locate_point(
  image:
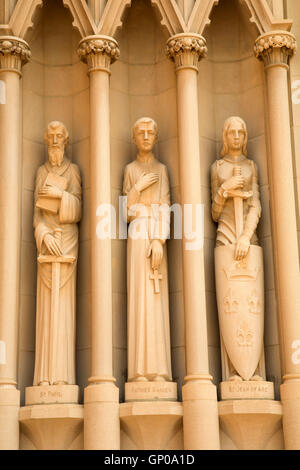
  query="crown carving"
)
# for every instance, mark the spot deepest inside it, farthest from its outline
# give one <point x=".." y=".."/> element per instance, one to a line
<point x="240" y="271"/>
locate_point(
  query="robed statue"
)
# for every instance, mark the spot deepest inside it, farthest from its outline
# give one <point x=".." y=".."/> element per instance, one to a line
<point x="57" y="210"/>
<point x="146" y="186"/>
<point x="238" y="257"/>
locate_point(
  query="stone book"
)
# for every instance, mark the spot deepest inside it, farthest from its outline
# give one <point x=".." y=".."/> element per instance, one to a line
<point x="52" y="204"/>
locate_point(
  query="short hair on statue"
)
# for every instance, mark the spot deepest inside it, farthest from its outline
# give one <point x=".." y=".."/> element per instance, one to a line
<point x="144" y="120"/>
<point x="55" y="125"/>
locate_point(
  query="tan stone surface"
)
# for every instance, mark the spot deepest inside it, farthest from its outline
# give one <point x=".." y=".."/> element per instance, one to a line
<point x="56" y="237"/>
<point x="52" y="394"/>
<point x="9" y="418"/>
<point x="52" y="427"/>
<point x="251" y="424"/>
<point x="146" y="183"/>
<point x="247" y="390"/>
<point x="238" y="262"/>
<point x="151" y="391"/>
<point x="231" y="81"/>
<point x="152" y="425"/>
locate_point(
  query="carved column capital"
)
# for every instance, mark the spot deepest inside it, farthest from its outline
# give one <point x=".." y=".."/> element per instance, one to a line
<point x="275" y="48"/>
<point x="186" y="50"/>
<point x="98" y="52"/>
<point x="14" y="53"/>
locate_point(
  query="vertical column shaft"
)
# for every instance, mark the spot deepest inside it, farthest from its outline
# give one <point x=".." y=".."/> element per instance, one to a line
<point x="101" y="365"/>
<point x="275" y="49"/>
<point x="14" y="52"/>
<point x="193" y="260"/>
<point x="101" y="411"/>
<point x="199" y="394"/>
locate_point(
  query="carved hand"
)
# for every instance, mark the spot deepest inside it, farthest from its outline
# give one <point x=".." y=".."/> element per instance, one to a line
<point x="146" y="180"/>
<point x="242" y="247"/>
<point x="51" y="191"/>
<point x="235" y="182"/>
<point x="157" y="254"/>
<point x="52" y="245"/>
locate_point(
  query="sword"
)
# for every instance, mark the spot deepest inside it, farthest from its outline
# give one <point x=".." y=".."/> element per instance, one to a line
<point x="238" y="195"/>
<point x="54" y="309"/>
<point x="238" y="207"/>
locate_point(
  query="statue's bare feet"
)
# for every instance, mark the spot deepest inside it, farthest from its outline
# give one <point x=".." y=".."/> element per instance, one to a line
<point x="159" y="378"/>
<point x="44" y="383"/>
<point x="256" y="378"/>
<point x="141" y="378"/>
<point x="235" y="378"/>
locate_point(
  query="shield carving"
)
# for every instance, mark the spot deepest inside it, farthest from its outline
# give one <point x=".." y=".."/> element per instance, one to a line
<point x="240" y="298"/>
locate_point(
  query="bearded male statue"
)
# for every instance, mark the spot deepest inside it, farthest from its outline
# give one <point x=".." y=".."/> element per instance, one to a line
<point x="57" y="210"/>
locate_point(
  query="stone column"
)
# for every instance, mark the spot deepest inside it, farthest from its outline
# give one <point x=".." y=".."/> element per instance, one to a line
<point x="201" y="424"/>
<point x="275" y="49"/>
<point x="14" y="52"/>
<point x="101" y="398"/>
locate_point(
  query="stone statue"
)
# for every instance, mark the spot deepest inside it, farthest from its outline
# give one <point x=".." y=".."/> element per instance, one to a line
<point x="57" y="209"/>
<point x="146" y="186"/>
<point x="238" y="258"/>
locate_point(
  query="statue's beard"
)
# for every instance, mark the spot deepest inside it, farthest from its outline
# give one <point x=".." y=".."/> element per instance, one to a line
<point x="56" y="156"/>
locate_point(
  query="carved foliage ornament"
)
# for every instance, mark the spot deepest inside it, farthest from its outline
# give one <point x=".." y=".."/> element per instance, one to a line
<point x="99" y="46"/>
<point x="275" y="47"/>
<point x="99" y="52"/>
<point x="14" y="53"/>
<point x="186" y="49"/>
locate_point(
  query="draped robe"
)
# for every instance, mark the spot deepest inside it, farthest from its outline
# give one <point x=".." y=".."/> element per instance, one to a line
<point x="45" y="222"/>
<point x="148" y="312"/>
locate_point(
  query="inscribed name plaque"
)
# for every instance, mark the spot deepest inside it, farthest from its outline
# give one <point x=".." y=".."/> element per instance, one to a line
<point x="51" y="394"/>
<point x="150" y="391"/>
<point x="258" y="390"/>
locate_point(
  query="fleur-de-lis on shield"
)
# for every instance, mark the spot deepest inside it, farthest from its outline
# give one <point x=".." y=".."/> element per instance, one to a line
<point x="244" y="335"/>
<point x="231" y="303"/>
<point x="254" y="303"/>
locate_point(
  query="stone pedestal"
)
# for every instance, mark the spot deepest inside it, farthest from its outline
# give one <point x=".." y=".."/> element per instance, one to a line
<point x="250" y="424"/>
<point x="52" y="418"/>
<point x="290" y="399"/>
<point x="152" y="425"/>
<point x="53" y="426"/>
<point x="52" y="394"/>
<point x="9" y="418"/>
<point x="257" y="390"/>
<point x="150" y="391"/>
<point x="101" y="417"/>
<point x="200" y="419"/>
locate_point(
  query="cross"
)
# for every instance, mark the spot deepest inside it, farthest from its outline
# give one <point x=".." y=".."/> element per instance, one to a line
<point x="156" y="277"/>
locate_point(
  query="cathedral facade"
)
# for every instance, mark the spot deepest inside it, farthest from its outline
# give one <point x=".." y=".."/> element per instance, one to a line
<point x="170" y="342"/>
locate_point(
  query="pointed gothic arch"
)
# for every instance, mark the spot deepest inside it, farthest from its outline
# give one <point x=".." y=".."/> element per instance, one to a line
<point x="170" y="16"/>
<point x="21" y="19"/>
<point x="263" y="17"/>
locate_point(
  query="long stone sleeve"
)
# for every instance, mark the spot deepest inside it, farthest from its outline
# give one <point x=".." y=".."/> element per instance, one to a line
<point x="70" y="206"/>
<point x="218" y="200"/>
<point x="40" y="227"/>
<point x="132" y="194"/>
<point x="162" y="225"/>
